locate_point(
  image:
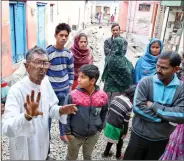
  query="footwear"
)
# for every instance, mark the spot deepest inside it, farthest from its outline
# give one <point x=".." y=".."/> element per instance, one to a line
<point x="50" y="158"/>
<point x="121" y="157"/>
<point x="64" y="138"/>
<point x="105" y="155"/>
<point x="131" y="115"/>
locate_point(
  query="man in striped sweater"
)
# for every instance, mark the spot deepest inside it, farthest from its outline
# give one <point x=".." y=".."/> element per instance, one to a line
<point x="61" y="70"/>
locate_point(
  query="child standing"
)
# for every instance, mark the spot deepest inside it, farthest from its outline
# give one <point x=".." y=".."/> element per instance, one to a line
<point x="83" y="128"/>
<point x="117" y="121"/>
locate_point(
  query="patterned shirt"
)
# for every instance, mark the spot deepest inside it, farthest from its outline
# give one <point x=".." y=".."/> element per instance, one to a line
<point x="119" y="112"/>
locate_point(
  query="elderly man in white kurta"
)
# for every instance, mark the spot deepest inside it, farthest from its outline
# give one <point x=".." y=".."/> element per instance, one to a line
<point x="29" y="105"/>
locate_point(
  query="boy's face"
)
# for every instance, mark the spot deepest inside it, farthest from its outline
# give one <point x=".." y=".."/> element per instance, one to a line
<point x="84" y="81"/>
<point x="62" y="37"/>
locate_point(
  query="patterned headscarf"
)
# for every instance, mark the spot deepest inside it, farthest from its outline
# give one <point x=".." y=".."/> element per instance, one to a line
<point x="81" y="56"/>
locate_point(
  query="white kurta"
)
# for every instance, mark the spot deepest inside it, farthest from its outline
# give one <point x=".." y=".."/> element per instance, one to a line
<point x="29" y="140"/>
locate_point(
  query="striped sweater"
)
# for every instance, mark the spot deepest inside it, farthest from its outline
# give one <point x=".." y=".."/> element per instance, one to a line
<point x="119" y="112"/>
<point x="61" y="70"/>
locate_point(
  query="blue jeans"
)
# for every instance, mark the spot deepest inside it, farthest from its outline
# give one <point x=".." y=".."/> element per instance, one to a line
<point x="61" y="97"/>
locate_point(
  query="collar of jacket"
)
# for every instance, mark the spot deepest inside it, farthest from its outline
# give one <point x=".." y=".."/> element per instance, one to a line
<point x="97" y="88"/>
<point x="113" y="37"/>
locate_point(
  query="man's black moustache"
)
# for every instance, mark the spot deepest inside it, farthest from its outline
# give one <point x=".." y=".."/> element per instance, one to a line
<point x="160" y="74"/>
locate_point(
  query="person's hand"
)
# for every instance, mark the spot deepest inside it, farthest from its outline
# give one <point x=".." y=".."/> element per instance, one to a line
<point x="68" y="109"/>
<point x="149" y="103"/>
<point x="32" y="107"/>
<point x="69" y="137"/>
<point x="2" y="108"/>
<point x="123" y="137"/>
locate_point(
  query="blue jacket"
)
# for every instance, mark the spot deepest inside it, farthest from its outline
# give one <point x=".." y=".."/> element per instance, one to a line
<point x="91" y="112"/>
<point x="156" y="122"/>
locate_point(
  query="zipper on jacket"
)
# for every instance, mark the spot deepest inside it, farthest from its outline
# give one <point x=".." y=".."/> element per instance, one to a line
<point x="163" y="95"/>
<point x="89" y="113"/>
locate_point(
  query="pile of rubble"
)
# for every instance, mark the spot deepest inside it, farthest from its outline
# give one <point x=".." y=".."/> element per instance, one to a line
<point x="94" y="42"/>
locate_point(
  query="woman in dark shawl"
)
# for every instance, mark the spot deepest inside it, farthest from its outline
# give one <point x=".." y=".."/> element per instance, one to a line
<point x="118" y="72"/>
<point x="81" y="55"/>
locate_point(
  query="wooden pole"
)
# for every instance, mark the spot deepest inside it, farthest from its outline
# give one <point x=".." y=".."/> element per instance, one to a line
<point x="154" y="20"/>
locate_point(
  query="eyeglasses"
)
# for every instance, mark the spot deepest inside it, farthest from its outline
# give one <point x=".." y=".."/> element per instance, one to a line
<point x="38" y="63"/>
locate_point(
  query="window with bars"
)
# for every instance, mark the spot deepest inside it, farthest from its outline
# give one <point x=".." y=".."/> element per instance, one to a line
<point x="144" y="7"/>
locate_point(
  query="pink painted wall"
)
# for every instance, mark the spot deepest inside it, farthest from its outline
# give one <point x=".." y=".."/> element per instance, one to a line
<point x="31" y="24"/>
<point x="140" y="22"/>
<point x="6" y="41"/>
<point x="31" y="30"/>
<point x="123" y="15"/>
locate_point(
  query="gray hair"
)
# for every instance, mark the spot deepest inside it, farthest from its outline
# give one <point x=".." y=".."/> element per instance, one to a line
<point x="35" y="50"/>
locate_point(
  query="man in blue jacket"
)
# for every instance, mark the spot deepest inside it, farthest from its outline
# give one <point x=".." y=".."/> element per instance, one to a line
<point x="158" y="107"/>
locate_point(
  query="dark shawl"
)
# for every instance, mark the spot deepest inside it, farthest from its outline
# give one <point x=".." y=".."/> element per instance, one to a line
<point x="118" y="72"/>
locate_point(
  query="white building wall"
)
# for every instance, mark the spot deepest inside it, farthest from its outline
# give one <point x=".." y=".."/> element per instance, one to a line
<point x="76" y="12"/>
<point x="71" y="12"/>
<point x="181" y="46"/>
<point x="51" y="25"/>
<point x="139" y="22"/>
<point x="112" y="5"/>
<point x="90" y="9"/>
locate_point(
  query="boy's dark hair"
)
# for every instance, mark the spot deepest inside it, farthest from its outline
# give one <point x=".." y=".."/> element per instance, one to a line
<point x="91" y="71"/>
<point x="174" y="58"/>
<point x="35" y="50"/>
<point x="114" y="25"/>
<point x="61" y="27"/>
<point x="130" y="92"/>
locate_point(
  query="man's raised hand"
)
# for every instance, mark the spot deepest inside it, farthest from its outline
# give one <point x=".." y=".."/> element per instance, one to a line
<point x="32" y="107"/>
